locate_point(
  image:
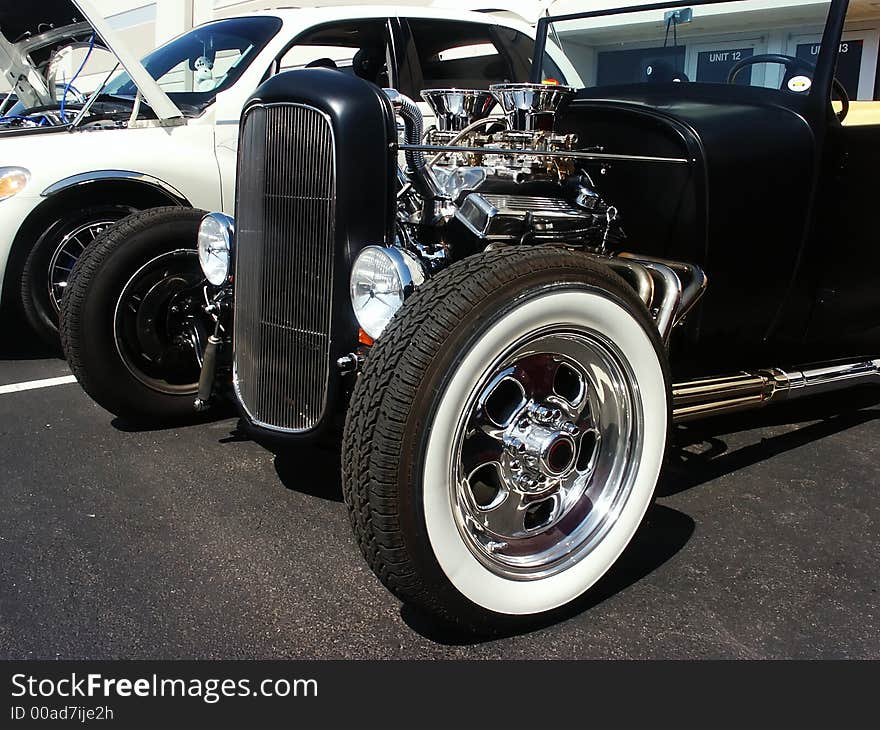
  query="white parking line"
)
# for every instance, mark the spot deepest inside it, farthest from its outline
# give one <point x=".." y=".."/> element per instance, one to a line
<point x="35" y="384"/>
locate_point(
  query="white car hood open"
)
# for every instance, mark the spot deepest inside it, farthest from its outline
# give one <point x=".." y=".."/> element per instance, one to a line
<point x="20" y="20"/>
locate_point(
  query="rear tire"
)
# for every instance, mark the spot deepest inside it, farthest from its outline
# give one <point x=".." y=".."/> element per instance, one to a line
<point x="103" y="330"/>
<point x="465" y="524"/>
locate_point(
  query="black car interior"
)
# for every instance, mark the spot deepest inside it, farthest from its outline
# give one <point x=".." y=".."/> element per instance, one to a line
<point x="366" y="39"/>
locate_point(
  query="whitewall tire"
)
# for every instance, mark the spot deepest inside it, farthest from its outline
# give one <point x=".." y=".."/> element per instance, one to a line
<point x="505" y="439"/>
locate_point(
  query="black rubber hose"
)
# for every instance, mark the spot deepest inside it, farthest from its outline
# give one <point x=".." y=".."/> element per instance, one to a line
<point x="416" y="161"/>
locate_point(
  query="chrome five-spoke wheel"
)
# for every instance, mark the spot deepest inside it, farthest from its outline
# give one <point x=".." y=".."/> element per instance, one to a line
<point x="544" y="453"/>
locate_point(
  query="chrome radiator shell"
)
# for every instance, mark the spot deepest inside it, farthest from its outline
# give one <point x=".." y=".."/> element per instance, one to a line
<point x="284" y="267"/>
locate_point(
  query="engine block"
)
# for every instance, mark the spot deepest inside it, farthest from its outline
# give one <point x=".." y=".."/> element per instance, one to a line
<point x="507" y="179"/>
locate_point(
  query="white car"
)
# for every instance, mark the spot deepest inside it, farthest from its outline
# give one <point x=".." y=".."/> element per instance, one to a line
<point x="164" y="130"/>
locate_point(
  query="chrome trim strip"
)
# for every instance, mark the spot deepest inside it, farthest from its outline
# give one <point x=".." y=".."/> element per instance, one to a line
<point x="745" y="391"/>
<point x="85" y="178"/>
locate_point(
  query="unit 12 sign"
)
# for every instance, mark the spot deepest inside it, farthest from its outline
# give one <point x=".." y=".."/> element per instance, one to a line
<point x="714" y="67"/>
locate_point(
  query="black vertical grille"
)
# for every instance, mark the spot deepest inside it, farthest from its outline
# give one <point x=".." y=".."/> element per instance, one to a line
<point x="284" y="265"/>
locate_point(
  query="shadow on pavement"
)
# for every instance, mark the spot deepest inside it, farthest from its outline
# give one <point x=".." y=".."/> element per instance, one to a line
<point x="699" y="455"/>
<point x="313" y="471"/>
<point x="310" y="468"/>
<point x="197" y="419"/>
<point x="666" y="530"/>
<point x="664" y="533"/>
<point x="18" y="342"/>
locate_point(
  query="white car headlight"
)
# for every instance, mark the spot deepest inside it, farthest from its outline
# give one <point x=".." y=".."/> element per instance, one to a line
<point x="381" y="278"/>
<point x="12" y="181"/>
<point x="216" y="235"/>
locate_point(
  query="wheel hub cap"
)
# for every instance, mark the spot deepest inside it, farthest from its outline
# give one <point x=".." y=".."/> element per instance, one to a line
<point x="544" y="454"/>
<point x="539" y="447"/>
<point x="159" y="327"/>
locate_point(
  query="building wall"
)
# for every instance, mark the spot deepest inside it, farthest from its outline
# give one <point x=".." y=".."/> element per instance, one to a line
<point x="706" y="47"/>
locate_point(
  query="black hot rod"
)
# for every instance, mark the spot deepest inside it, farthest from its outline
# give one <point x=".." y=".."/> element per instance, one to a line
<point x="513" y="315"/>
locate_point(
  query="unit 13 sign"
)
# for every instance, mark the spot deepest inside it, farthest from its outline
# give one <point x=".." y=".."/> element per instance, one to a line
<point x="713" y="67"/>
<point x="849" y="62"/>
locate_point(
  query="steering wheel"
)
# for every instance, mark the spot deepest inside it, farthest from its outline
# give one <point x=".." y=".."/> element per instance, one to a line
<point x="794" y="67"/>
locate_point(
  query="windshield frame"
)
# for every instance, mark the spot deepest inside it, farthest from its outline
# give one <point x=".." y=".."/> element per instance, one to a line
<point x="824" y="67"/>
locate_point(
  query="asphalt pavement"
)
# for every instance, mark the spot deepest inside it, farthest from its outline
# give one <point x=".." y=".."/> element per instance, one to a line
<point x="197" y="542"/>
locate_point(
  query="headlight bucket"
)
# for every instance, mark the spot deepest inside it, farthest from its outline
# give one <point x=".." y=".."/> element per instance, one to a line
<point x="381" y="278"/>
<point x="216" y="238"/>
<point x="12" y="181"/>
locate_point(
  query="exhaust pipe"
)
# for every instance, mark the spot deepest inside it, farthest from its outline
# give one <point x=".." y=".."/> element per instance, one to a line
<point x="707" y="397"/>
<point x="669" y="289"/>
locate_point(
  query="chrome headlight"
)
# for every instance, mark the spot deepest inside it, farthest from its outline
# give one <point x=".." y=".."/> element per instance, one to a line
<point x="381" y="278"/>
<point x="12" y="181"/>
<point x="216" y="234"/>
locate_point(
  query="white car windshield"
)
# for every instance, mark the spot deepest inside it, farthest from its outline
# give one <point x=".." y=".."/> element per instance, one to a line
<point x="196" y="66"/>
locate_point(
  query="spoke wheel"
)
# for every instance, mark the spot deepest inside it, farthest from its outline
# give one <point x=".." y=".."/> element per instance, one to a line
<point x="160" y="324"/>
<point x="48" y="269"/>
<point x="66" y="254"/>
<point x="544" y="452"/>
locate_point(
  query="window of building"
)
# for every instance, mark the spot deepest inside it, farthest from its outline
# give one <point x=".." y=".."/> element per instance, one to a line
<point x="706" y="44"/>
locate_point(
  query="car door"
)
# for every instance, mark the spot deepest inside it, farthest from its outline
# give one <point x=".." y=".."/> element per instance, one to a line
<point x="847" y="250"/>
<point x="848" y="295"/>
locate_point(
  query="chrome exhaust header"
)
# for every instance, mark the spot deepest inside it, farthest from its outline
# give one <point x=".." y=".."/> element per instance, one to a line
<point x="669" y="289"/>
<point x="745" y="391"/>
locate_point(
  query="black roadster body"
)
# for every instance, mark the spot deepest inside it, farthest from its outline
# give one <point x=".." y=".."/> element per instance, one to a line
<point x="774" y="205"/>
<point x="513" y="310"/>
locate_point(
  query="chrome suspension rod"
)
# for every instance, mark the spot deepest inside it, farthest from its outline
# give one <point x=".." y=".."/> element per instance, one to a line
<point x="572" y="154"/>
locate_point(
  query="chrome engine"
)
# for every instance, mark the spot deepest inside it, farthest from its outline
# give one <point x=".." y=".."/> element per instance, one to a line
<point x="476" y="181"/>
<point x="496" y="180"/>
